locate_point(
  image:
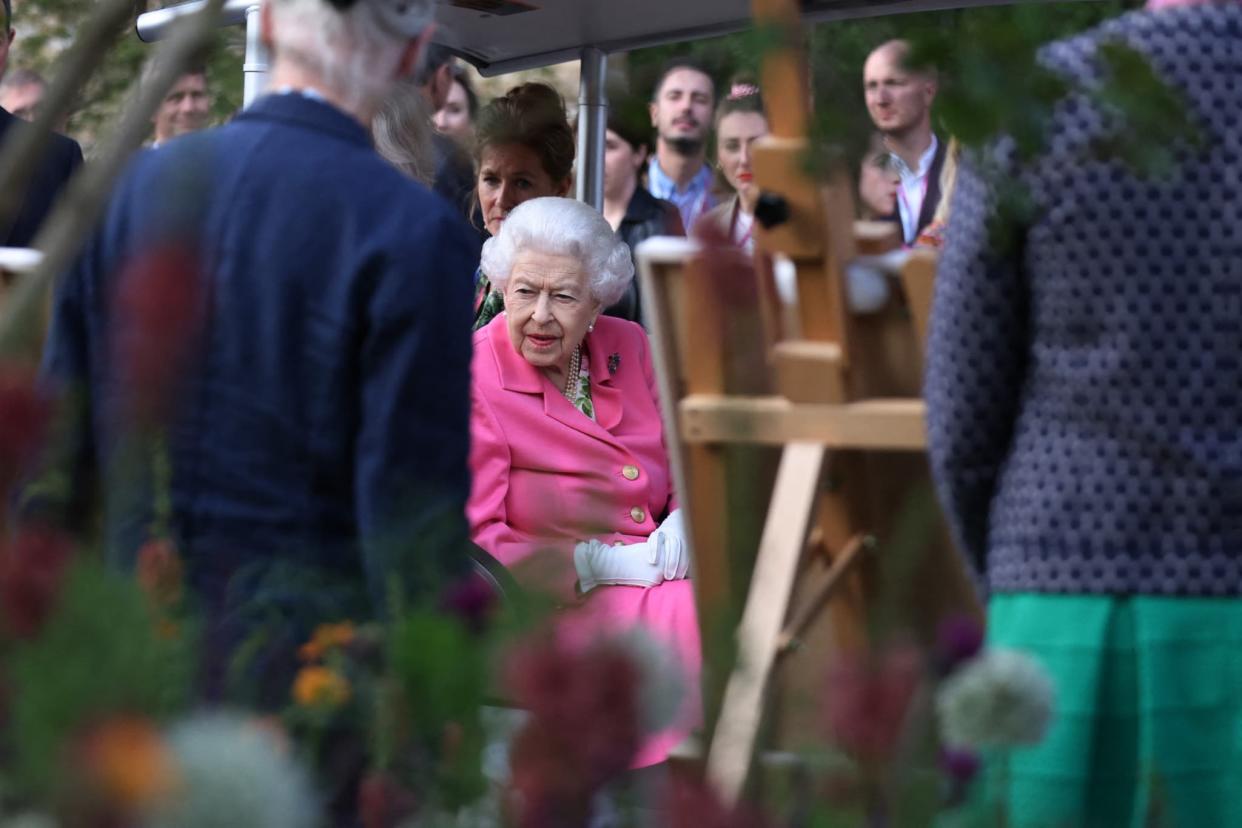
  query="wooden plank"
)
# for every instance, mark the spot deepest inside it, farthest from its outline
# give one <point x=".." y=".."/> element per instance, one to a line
<point x="704" y="497"/>
<point x="783" y="70"/>
<point x="701" y="317"/>
<point x="821" y="590"/>
<point x="809" y="372"/>
<point x="918" y="277"/>
<point x="780" y="552"/>
<point x="885" y="425"/>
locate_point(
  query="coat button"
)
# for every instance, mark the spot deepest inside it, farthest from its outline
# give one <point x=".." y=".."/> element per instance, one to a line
<point x="638" y="514"/>
<point x="629" y="472"/>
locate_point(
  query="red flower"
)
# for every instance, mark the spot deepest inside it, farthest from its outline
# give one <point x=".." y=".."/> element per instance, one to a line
<point x="472" y="600"/>
<point x="583" y="728"/>
<point x="31" y="571"/>
<point x="158" y="320"/>
<point x="868" y="697"/>
<point x="696" y="805"/>
<point x="23" y="419"/>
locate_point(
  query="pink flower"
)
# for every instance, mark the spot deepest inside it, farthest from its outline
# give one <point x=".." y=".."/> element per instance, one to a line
<point x="383" y="802"/>
<point x="868" y="698"/>
<point x="32" y="568"/>
<point x="158" y="321"/>
<point x="583" y="730"/>
<point x="696" y="805"/>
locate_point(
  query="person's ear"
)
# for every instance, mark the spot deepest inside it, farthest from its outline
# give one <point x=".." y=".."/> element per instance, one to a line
<point x="265" y="26"/>
<point x="408" y="63"/>
<point x="564" y="187"/>
<point x="651" y="110"/>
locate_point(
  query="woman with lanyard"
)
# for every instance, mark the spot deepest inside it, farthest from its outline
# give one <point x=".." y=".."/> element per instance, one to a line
<point x="740" y="120"/>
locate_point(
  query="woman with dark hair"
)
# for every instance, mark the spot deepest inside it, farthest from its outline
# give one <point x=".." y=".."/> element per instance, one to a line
<point x="632" y="211"/>
<point x="740" y="121"/>
<point x="456" y="118"/>
<point x="524" y="149"/>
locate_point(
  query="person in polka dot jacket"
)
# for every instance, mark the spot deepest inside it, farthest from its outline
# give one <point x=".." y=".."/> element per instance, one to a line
<point x="1084" y="392"/>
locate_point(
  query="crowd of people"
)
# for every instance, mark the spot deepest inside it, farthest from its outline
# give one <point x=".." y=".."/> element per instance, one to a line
<point x="415" y="356"/>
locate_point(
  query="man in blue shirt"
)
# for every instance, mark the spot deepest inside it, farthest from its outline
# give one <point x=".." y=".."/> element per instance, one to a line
<point x="313" y="459"/>
<point x="681" y="113"/>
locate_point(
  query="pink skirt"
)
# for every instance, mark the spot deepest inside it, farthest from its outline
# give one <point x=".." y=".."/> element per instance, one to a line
<point x="666" y="613"/>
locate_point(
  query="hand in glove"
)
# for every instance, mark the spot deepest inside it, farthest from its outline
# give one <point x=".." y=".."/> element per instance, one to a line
<point x="669" y="548"/>
<point x="633" y="564"/>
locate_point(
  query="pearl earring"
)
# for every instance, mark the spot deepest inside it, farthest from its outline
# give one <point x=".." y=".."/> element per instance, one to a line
<point x="590" y="327"/>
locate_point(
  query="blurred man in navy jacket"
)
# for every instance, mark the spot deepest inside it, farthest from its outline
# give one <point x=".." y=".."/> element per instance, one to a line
<point x="318" y="436"/>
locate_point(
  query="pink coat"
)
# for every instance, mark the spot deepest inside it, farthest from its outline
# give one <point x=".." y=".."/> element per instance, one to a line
<point x="547" y="476"/>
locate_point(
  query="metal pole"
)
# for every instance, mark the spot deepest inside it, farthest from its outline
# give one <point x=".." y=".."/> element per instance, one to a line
<point x="592" y="124"/>
<point x="254" y="70"/>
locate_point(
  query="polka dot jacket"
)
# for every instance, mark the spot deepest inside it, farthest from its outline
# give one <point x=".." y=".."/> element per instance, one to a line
<point x="1084" y="389"/>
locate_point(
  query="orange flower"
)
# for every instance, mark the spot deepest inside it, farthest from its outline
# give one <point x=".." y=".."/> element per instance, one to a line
<point x="325" y="638"/>
<point x="126" y="760"/>
<point x="159" y="572"/>
<point x="320" y="687"/>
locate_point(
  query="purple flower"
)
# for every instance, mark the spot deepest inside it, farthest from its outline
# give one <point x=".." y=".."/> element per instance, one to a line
<point x="960" y="765"/>
<point x="959" y="638"/>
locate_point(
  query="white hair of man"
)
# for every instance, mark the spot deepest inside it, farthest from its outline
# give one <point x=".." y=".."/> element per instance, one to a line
<point x="562" y="227"/>
<point x="356" y="50"/>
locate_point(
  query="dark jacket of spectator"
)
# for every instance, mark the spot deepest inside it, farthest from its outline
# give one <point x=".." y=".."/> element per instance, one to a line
<point x="60" y="159"/>
<point x="646" y="216"/>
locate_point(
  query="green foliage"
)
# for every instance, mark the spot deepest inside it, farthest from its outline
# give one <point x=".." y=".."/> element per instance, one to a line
<point x="441" y="672"/>
<point x="990" y="82"/>
<point x="101" y="654"/>
<point x="1153" y="119"/>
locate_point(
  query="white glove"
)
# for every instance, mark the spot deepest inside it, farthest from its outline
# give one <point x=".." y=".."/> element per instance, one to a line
<point x="670" y="549"/>
<point x="630" y="565"/>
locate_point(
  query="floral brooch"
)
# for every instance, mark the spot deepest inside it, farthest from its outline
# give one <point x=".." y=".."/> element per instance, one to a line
<point x="614" y="362"/>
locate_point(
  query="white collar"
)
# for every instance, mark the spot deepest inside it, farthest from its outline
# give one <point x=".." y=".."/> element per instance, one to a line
<point x="925" y="161"/>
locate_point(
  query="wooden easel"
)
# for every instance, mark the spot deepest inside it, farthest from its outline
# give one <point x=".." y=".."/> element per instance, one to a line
<point x="844" y="438"/>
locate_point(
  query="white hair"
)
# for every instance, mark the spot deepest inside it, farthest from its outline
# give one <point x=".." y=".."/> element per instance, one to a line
<point x="355" y="51"/>
<point x="562" y="227"/>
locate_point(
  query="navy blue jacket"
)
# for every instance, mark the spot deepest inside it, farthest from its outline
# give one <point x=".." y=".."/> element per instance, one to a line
<point x="324" y="420"/>
<point x="61" y="158"/>
<point x="1084" y="390"/>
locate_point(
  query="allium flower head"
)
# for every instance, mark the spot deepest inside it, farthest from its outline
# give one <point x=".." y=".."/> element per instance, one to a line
<point x="868" y="696"/>
<point x="1000" y="699"/>
<point x="158" y="322"/>
<point x="32" y="567"/>
<point x="583" y="729"/>
<point x="233" y="775"/>
<point x="959" y="638"/>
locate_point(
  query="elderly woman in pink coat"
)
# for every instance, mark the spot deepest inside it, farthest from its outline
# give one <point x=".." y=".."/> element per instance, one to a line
<point x="567" y="443"/>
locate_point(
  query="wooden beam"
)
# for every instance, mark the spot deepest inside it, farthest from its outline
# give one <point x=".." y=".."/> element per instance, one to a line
<point x="776" y="567"/>
<point x="884" y="424"/>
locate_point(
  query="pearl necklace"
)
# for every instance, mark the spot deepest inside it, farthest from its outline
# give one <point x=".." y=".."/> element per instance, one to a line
<point x="575" y="370"/>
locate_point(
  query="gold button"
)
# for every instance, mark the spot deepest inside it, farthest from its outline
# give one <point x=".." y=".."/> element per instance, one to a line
<point x="638" y="514"/>
<point x="629" y="472"/>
